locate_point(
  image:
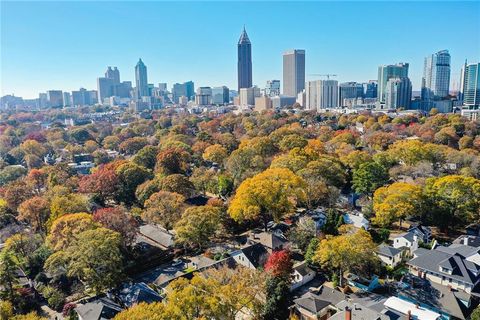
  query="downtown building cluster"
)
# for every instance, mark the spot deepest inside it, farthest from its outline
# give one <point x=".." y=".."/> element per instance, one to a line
<point x="392" y="90"/>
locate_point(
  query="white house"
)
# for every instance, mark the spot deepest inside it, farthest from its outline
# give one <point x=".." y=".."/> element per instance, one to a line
<point x="389" y="256"/>
<point x="301" y="275"/>
<point x="253" y="256"/>
<point x="357" y="220"/>
<point x="407" y="241"/>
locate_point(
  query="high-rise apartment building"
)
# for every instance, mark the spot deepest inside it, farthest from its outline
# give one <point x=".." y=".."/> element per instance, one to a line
<point x="436" y="76"/>
<point x="471" y="85"/>
<point x="398" y="93"/>
<point x="371" y="89"/>
<point x="293" y="72"/>
<point x="321" y="94"/>
<point x="141" y="81"/>
<point x="385" y="73"/>
<point x="272" y="88"/>
<point x="349" y="90"/>
<point x="66" y="99"/>
<point x="203" y="96"/>
<point x="55" y="98"/>
<point x="244" y="65"/>
<point x="247" y="96"/>
<point x="220" y="95"/>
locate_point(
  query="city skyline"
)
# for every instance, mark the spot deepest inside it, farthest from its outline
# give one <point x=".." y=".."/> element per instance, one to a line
<point x="330" y="47"/>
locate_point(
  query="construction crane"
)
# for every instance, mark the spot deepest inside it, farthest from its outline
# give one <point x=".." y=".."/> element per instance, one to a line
<point x="328" y="75"/>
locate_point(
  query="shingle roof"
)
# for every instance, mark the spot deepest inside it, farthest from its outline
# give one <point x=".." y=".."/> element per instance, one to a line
<point x="100" y="309"/>
<point x="359" y="312"/>
<point x="157" y="234"/>
<point x="387" y="251"/>
<point x="311" y="302"/>
<point x="256" y="254"/>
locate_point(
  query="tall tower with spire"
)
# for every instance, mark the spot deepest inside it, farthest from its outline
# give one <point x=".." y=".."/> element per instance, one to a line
<point x="244" y="61"/>
<point x="141" y="80"/>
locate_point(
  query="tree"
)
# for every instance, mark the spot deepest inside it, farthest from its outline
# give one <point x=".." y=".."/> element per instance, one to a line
<point x="454" y="199"/>
<point x="172" y="161"/>
<point x="66" y="229"/>
<point x="130" y="176"/>
<point x="11" y="173"/>
<point x="117" y="219"/>
<point x="475" y="314"/>
<point x="346" y="252"/>
<point x="15" y="193"/>
<point x="143" y="311"/>
<point x="278" y="298"/>
<point x="6" y="310"/>
<point x="35" y="211"/>
<point x="197" y="225"/>
<point x="8" y="273"/>
<point x="204" y="179"/>
<point x="311" y="250"/>
<point x="368" y="177"/>
<point x="29" y="316"/>
<point x="279" y="264"/>
<point x="303" y="232"/>
<point x="66" y="204"/>
<point x="270" y="194"/>
<point x="291" y="141"/>
<point x="146" y="157"/>
<point x="396" y="202"/>
<point x="103" y="183"/>
<point x="178" y="183"/>
<point x="94" y="258"/>
<point x="133" y="145"/>
<point x="164" y="208"/>
<point x="215" y="153"/>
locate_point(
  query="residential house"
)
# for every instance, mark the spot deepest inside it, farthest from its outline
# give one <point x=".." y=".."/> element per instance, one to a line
<point x="99" y="309"/>
<point x="357" y="220"/>
<point x="473" y="230"/>
<point x="252" y="256"/>
<point x="133" y="293"/>
<point x="301" y="275"/>
<point x="409" y="310"/>
<point x="354" y="311"/>
<point x="456" y="266"/>
<point x="389" y="256"/>
<point x="156" y="236"/>
<point x="269" y="240"/>
<point x="406" y="241"/>
<point x="318" y="303"/>
<point x="423" y="233"/>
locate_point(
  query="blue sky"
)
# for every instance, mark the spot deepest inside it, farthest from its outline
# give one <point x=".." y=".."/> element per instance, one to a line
<point x="67" y="45"/>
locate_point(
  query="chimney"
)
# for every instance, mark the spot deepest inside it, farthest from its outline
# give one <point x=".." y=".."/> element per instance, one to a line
<point x="465" y="241"/>
<point x="348" y="313"/>
<point x="409" y="315"/>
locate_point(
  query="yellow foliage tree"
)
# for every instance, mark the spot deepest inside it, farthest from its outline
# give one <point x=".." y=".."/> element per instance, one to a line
<point x="215" y="153"/>
<point x="272" y="193"/>
<point x="396" y="202"/>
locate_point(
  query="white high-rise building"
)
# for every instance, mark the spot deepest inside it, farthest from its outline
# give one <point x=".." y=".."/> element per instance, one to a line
<point x="293" y="72"/>
<point x="203" y="96"/>
<point x="321" y="94"/>
<point x="247" y="96"/>
<point x="436" y="76"/>
<point x="272" y="88"/>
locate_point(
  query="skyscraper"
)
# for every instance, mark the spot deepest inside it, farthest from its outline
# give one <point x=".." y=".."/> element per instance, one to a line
<point x="113" y="74"/>
<point x="293" y="72"/>
<point x="321" y="94"/>
<point x="55" y="98"/>
<point x="186" y="89"/>
<point x="371" y="89"/>
<point x="272" y="88"/>
<point x="471" y="86"/>
<point x="349" y="90"/>
<point x="220" y="95"/>
<point x="398" y="93"/>
<point x="436" y="76"/>
<point x="141" y="81"/>
<point x="386" y="72"/>
<point x="244" y="61"/>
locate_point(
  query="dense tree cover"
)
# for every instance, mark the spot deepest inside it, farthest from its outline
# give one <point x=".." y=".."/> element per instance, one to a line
<point x="261" y="166"/>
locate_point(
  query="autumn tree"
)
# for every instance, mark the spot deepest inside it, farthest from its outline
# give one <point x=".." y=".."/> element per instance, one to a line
<point x="348" y="252"/>
<point x="215" y="153"/>
<point x="197" y="225"/>
<point x="65" y="229"/>
<point x="94" y="258"/>
<point x="396" y="202"/>
<point x="178" y="183"/>
<point x="453" y="199"/>
<point x="117" y="219"/>
<point x="172" y="161"/>
<point x="164" y="208"/>
<point x="146" y="157"/>
<point x="8" y="273"/>
<point x="130" y="176"/>
<point x="303" y="232"/>
<point x="279" y="264"/>
<point x="35" y="211"/>
<point x="270" y="194"/>
<point x="66" y="204"/>
<point x="133" y="145"/>
<point x="103" y="184"/>
<point x="143" y="311"/>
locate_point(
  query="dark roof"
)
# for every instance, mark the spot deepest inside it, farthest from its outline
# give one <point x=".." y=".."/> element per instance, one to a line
<point x="329" y="294"/>
<point x="311" y="302"/>
<point x="135" y="293"/>
<point x="100" y="309"/>
<point x="269" y="240"/>
<point x="302" y="269"/>
<point x="387" y="251"/>
<point x="256" y="254"/>
<point x="156" y="234"/>
<point x="472" y="241"/>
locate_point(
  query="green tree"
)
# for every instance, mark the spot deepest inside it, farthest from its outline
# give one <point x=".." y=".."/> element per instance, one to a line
<point x="130" y="176"/>
<point x="197" y="225"/>
<point x="8" y="273"/>
<point x="369" y="177"/>
<point x="146" y="157"/>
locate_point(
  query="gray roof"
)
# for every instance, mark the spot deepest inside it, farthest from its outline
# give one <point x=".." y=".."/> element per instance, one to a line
<point x="302" y="268"/>
<point x="157" y="235"/>
<point x="100" y="309"/>
<point x="359" y="312"/>
<point x="472" y="241"/>
<point x="452" y="258"/>
<point x="311" y="302"/>
<point x="387" y="251"/>
<point x="330" y="295"/>
<point x="408" y="235"/>
<point x="420" y="251"/>
<point x="269" y="240"/>
<point x="256" y="254"/>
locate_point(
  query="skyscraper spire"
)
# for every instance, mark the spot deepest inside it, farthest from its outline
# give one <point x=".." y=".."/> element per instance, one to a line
<point x="244" y="61"/>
